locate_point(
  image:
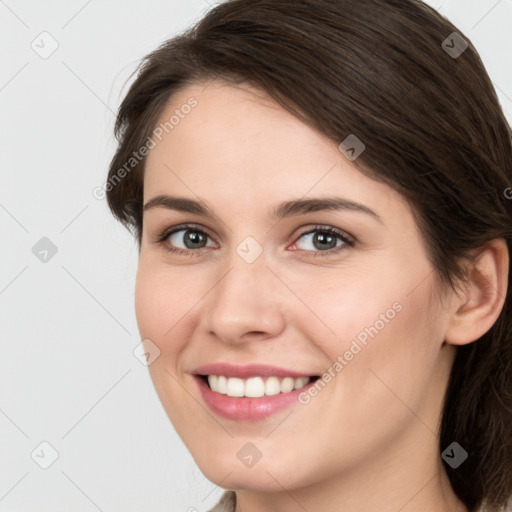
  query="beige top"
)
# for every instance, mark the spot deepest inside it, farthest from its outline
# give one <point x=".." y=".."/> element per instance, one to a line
<point x="227" y="503"/>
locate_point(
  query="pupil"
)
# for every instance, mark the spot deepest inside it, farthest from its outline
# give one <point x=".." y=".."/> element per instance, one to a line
<point x="194" y="237"/>
<point x="322" y="238"/>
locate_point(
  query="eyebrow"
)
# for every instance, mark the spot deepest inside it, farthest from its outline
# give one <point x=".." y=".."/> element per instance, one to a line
<point x="281" y="211"/>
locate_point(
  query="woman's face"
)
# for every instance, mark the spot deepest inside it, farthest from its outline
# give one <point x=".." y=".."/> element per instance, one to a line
<point x="252" y="287"/>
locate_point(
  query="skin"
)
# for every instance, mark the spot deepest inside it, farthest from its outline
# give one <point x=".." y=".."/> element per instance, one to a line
<point x="375" y="425"/>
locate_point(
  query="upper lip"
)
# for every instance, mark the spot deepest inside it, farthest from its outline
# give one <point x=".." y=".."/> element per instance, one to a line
<point x="246" y="371"/>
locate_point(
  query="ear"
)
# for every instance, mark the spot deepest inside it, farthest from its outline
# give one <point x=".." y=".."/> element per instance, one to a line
<point x="476" y="309"/>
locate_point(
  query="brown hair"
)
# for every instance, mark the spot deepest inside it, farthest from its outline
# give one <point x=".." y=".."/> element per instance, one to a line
<point x="433" y="129"/>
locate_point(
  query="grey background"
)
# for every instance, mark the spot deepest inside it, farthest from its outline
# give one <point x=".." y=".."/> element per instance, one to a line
<point x="69" y="378"/>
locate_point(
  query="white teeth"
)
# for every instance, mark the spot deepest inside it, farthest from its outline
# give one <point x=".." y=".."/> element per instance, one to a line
<point x="272" y="386"/>
<point x="287" y="384"/>
<point x="235" y="387"/>
<point x="255" y="387"/>
<point x="222" y="384"/>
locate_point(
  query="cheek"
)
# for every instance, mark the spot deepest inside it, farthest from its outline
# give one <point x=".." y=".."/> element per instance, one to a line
<point x="391" y="354"/>
<point x="162" y="307"/>
<point x="351" y="306"/>
<point x="382" y="358"/>
<point x="381" y="324"/>
<point x="160" y="304"/>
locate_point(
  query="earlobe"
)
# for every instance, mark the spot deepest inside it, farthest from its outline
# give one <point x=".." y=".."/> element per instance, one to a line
<point x="478" y="307"/>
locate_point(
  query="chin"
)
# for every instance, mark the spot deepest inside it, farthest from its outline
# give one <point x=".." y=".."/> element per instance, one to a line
<point x="263" y="476"/>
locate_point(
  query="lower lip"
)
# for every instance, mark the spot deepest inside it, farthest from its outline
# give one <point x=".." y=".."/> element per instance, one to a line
<point x="246" y="408"/>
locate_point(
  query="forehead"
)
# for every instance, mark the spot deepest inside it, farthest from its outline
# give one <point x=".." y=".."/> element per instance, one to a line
<point x="224" y="141"/>
<point x="232" y="123"/>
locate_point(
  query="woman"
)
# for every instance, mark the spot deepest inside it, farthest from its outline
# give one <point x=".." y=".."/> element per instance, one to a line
<point x="320" y="191"/>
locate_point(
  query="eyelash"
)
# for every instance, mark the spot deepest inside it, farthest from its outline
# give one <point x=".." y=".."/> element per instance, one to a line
<point x="330" y="230"/>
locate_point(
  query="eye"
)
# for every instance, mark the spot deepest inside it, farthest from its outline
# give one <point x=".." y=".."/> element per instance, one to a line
<point x="319" y="241"/>
<point x="191" y="239"/>
<point x="325" y="240"/>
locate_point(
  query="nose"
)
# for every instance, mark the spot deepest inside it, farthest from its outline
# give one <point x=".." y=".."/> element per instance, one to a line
<point x="245" y="304"/>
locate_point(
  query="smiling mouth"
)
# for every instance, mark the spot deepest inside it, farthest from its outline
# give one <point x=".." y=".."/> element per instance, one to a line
<point x="255" y="387"/>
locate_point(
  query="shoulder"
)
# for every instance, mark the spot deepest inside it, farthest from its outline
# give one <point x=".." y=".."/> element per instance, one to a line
<point x="227" y="503"/>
